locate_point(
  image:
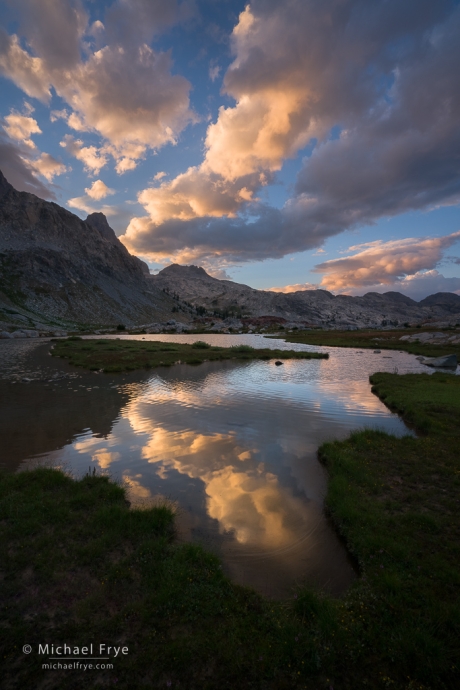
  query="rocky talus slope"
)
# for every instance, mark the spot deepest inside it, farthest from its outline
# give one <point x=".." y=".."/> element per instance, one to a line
<point x="307" y="307"/>
<point x="55" y="267"/>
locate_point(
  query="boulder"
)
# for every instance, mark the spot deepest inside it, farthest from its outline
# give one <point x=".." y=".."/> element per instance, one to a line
<point x="5" y="334"/>
<point x="446" y="362"/>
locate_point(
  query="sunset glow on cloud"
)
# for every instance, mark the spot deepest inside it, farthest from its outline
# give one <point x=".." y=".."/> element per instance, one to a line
<point x="250" y="134"/>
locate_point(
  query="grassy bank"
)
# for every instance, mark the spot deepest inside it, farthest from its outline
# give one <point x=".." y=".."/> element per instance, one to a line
<point x="79" y="567"/>
<point x="128" y="355"/>
<point x="388" y="340"/>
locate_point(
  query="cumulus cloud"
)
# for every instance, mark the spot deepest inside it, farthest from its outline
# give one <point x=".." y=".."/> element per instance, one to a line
<point x="384" y="263"/>
<point x="86" y="204"/>
<point x="27" y="72"/>
<point x="52" y="28"/>
<point x="92" y="157"/>
<point x="21" y="127"/>
<point x="262" y="232"/>
<point x="123" y="90"/>
<point x="383" y="75"/>
<point x="99" y="190"/>
<point x="372" y="88"/>
<point x="48" y="166"/>
<point x="129" y="97"/>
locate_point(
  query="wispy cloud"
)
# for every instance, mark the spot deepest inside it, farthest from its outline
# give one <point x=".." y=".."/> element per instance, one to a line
<point x="294" y="288"/>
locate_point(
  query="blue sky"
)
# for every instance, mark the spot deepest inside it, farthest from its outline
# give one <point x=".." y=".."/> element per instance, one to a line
<point x="290" y="145"/>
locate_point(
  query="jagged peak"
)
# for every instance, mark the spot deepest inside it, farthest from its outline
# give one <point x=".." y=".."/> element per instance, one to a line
<point x="99" y="222"/>
<point x="5" y="186"/>
<point x="178" y="268"/>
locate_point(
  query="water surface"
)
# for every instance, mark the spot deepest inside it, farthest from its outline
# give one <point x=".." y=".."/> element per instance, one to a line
<point x="232" y="444"/>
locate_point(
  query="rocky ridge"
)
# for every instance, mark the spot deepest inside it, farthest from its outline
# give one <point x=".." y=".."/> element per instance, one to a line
<point x="58" y="270"/>
<point x="306" y="308"/>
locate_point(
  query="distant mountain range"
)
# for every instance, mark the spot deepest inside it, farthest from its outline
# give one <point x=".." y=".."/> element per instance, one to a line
<point x="55" y="266"/>
<point x="309" y="307"/>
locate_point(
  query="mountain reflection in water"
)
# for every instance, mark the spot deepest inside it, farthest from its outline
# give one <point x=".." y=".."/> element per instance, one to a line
<point x="232" y="444"/>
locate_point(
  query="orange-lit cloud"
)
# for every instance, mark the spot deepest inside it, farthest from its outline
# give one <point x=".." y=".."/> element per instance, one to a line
<point x="123" y="90"/>
<point x="99" y="190"/>
<point x="21" y="127"/>
<point x="294" y="288"/>
<point x="384" y="262"/>
<point x="299" y="70"/>
<point x="48" y="166"/>
<point x="241" y="495"/>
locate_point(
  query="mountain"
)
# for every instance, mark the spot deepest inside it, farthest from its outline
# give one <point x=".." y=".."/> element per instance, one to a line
<point x="311" y="307"/>
<point x="58" y="268"/>
<point x="448" y="300"/>
<point x="61" y="268"/>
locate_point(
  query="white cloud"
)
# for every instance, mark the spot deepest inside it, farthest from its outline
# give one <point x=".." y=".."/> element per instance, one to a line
<point x="124" y="91"/>
<point x="21" y="127"/>
<point x="99" y="190"/>
<point x="299" y="71"/>
<point x="59" y="115"/>
<point x="92" y="157"/>
<point x="27" y="72"/>
<point x="85" y="203"/>
<point x="383" y="74"/>
<point x="49" y="167"/>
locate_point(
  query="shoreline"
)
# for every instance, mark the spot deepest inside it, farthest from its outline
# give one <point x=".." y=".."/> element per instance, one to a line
<point x="81" y="566"/>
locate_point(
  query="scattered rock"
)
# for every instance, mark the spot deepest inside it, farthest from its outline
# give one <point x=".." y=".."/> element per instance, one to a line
<point x="377" y="352"/>
<point x="446" y="362"/>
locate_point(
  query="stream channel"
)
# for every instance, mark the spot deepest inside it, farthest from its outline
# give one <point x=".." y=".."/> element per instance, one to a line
<point x="233" y="445"/>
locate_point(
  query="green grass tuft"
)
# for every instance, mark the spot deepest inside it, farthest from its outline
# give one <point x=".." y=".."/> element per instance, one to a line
<point x="79" y="566"/>
<point x="112" y="356"/>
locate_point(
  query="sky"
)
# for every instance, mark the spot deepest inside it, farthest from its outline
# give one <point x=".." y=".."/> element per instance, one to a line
<point x="296" y="145"/>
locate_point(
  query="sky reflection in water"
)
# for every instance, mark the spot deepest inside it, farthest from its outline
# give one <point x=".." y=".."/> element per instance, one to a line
<point x="234" y="446"/>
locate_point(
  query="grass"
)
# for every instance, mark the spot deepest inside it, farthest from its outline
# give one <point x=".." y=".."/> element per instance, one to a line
<point x="78" y="566"/>
<point x="128" y="355"/>
<point x="375" y="339"/>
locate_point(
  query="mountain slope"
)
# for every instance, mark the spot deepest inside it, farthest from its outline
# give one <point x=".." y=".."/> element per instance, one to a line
<point x="54" y="264"/>
<point x="315" y="307"/>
